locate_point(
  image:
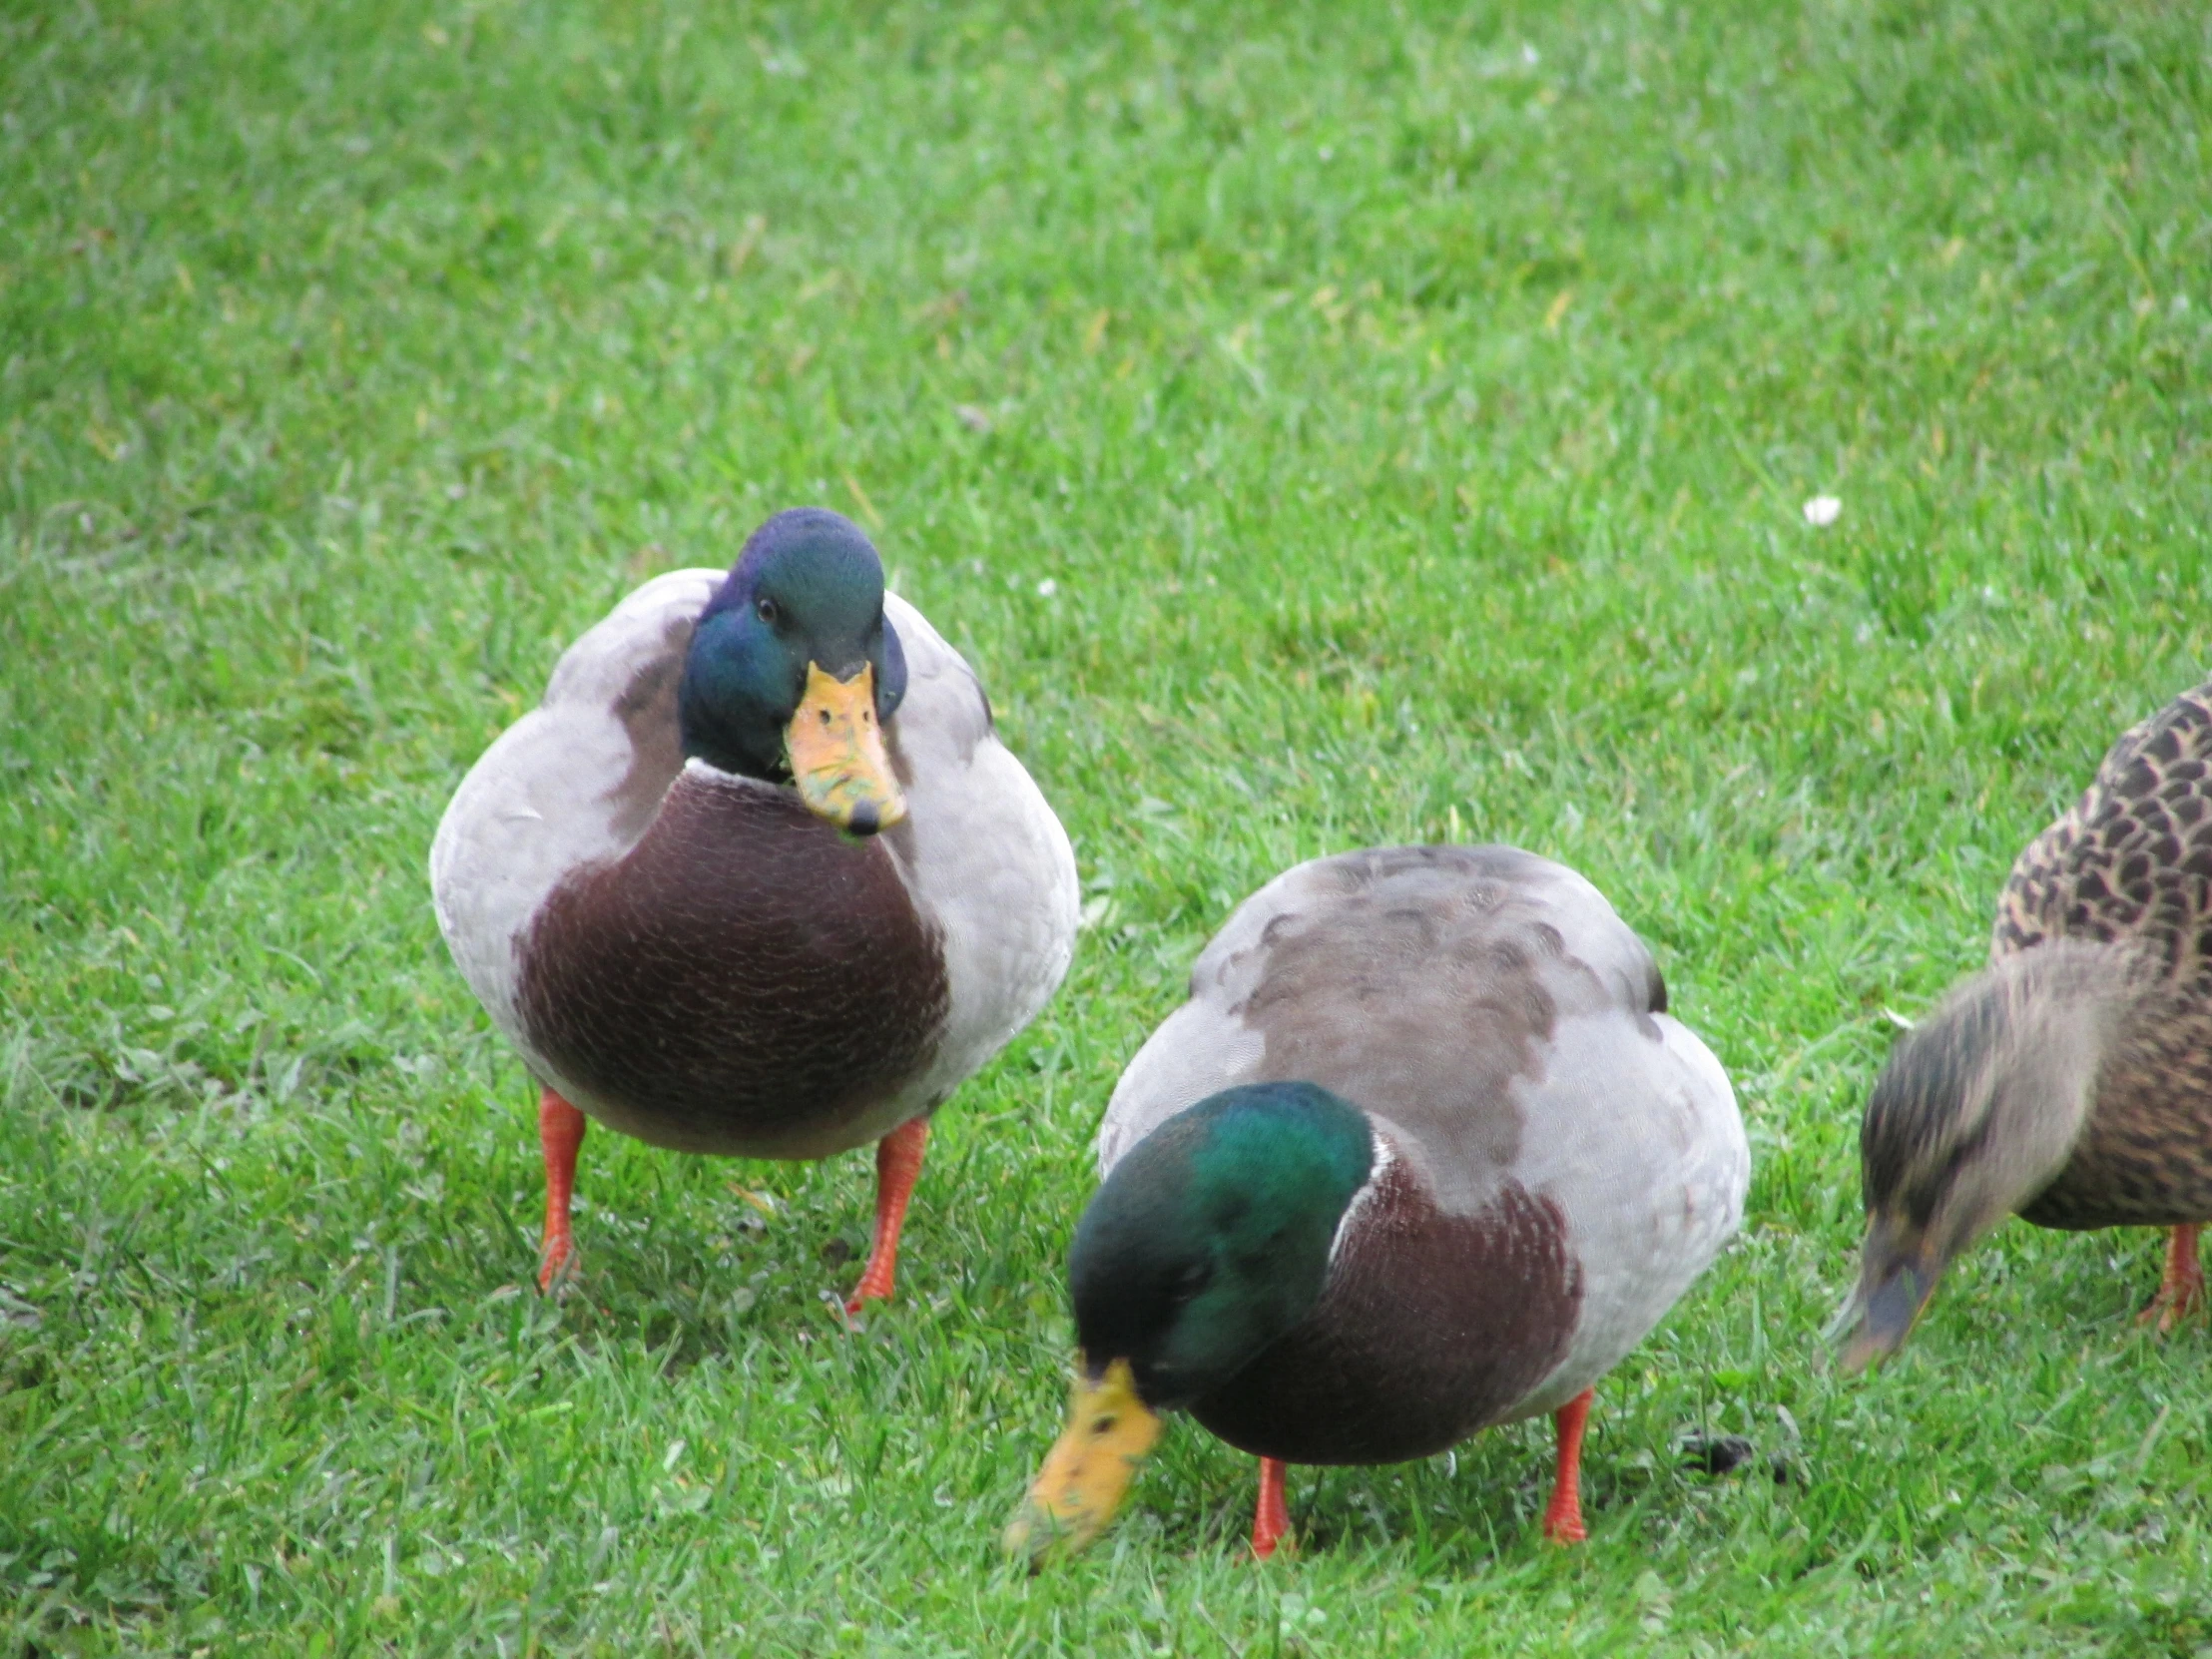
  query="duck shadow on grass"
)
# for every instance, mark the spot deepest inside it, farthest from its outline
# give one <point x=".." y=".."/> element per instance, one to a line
<point x="1478" y="1505"/>
<point x="694" y="1296"/>
<point x="704" y="1258"/>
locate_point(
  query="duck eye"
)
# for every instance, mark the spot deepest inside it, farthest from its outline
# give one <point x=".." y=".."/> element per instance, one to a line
<point x="765" y="607"/>
<point x="1104" y="1425"/>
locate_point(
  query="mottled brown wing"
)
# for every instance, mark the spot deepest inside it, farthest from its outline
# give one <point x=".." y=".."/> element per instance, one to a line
<point x="2132" y="861"/>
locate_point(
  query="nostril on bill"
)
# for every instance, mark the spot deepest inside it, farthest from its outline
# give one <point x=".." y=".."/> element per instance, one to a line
<point x="865" y="820"/>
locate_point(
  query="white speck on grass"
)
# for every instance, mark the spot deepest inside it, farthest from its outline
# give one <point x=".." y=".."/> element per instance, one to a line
<point x="1820" y="511"/>
<point x="1296" y="1615"/>
<point x="1048" y="588"/>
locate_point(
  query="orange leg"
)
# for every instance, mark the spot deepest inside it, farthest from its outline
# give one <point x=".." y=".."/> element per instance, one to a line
<point x="1271" y="1522"/>
<point x="560" y="1132"/>
<point x="2181" y="1293"/>
<point x="897" y="1168"/>
<point x="1563" y="1517"/>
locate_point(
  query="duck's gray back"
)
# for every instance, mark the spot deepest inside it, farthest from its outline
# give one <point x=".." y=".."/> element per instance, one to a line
<point x="1419" y="982"/>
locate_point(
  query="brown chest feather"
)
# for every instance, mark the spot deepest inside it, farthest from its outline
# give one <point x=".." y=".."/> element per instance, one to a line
<point x="1432" y="1326"/>
<point x="743" y="979"/>
<point x="2144" y="1158"/>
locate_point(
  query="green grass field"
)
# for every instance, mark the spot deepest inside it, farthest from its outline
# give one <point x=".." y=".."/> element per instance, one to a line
<point x="1320" y="426"/>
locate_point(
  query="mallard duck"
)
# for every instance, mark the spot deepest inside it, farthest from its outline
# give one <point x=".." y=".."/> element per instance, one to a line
<point x="757" y="877"/>
<point x="2069" y="1082"/>
<point x="1424" y="1152"/>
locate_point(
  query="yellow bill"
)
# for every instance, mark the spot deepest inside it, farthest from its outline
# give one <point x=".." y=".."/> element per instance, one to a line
<point x="836" y="753"/>
<point x="1089" y="1468"/>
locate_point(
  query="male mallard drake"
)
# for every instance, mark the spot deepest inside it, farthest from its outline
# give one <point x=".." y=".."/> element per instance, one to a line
<point x="1424" y="1152"/>
<point x="757" y="877"/>
<point x="2070" y="1082"/>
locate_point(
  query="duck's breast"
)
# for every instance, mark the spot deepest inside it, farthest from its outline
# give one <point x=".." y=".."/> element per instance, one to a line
<point x="745" y="979"/>
<point x="2144" y="1156"/>
<point x="1430" y="1326"/>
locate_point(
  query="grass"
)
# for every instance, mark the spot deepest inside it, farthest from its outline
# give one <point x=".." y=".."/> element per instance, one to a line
<point x="1321" y="426"/>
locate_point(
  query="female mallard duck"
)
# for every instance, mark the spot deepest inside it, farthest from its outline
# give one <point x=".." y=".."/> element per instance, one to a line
<point x="2070" y="1082"/>
<point x="757" y="877"/>
<point x="1424" y="1152"/>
